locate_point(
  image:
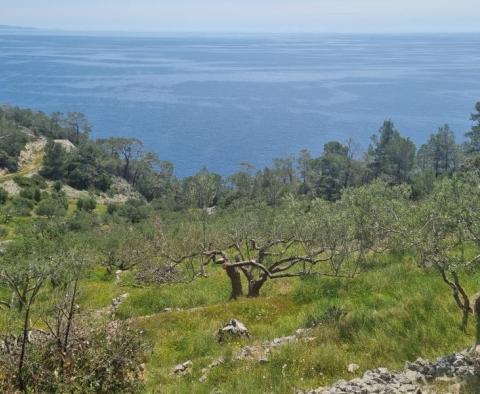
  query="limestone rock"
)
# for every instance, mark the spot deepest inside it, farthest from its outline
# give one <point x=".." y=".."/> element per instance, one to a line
<point x="183" y="369"/>
<point x="233" y="329"/>
<point x="352" y="368"/>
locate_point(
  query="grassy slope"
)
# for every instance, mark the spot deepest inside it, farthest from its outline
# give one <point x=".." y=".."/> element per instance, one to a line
<point x="393" y="313"/>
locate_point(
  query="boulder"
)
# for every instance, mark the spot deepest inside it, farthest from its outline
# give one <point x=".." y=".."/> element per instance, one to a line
<point x="233" y="329"/>
<point x="183" y="369"/>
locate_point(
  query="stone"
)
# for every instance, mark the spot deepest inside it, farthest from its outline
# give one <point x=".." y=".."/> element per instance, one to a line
<point x="263" y="360"/>
<point x="352" y="368"/>
<point x="411" y="376"/>
<point x="182" y="369"/>
<point x="118" y="275"/>
<point x="408" y="388"/>
<point x="116" y="302"/>
<point x="234" y="328"/>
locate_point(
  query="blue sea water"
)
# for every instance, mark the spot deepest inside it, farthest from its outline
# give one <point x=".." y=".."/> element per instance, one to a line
<point x="221" y="100"/>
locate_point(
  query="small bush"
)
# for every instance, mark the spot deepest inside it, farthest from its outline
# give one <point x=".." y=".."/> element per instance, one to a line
<point x="20" y="206"/>
<point x="134" y="210"/>
<point x="112" y="208"/>
<point x="103" y="182"/>
<point x="87" y="204"/>
<point x="39" y="181"/>
<point x="51" y="207"/>
<point x="32" y="193"/>
<point x="22" y="181"/>
<point x="3" y="196"/>
<point x="34" y="181"/>
<point x="3" y="232"/>
<point x="82" y="221"/>
<point x="57" y="186"/>
<point x="101" y="359"/>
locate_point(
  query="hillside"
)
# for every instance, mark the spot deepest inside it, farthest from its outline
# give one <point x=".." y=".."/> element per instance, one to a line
<point x="117" y="277"/>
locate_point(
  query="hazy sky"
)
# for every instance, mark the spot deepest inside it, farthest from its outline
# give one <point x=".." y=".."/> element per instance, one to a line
<point x="245" y="15"/>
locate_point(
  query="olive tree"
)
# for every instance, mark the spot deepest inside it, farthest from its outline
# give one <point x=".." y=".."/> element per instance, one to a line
<point x="25" y="269"/>
<point x="316" y="238"/>
<point x="444" y="231"/>
<point x="123" y="246"/>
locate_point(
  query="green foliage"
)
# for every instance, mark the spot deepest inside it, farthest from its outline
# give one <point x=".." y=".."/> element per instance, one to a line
<point x="331" y="315"/>
<point x="124" y="246"/>
<point x="12" y="141"/>
<point x="391" y="156"/>
<point x="343" y="218"/>
<point x="3" y="232"/>
<point x="20" y="206"/>
<point x="112" y="208"/>
<point x="87" y="204"/>
<point x="134" y="211"/>
<point x="52" y="207"/>
<point x="57" y="186"/>
<point x="95" y="165"/>
<point x="83" y="167"/>
<point x="472" y="146"/>
<point x="32" y="193"/>
<point x="333" y="171"/>
<point x="82" y="221"/>
<point x="440" y="154"/>
<point x="54" y="161"/>
<point x="3" y="196"/>
<point x="202" y="190"/>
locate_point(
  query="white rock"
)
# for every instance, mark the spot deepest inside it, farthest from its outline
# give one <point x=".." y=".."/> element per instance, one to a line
<point x="352" y="368"/>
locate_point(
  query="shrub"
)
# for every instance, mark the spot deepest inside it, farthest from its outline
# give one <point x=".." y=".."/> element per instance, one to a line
<point x="134" y="210"/>
<point x="3" y="231"/>
<point x="3" y="196"/>
<point x="101" y="359"/>
<point x="34" y="181"/>
<point x="39" y="181"/>
<point x="103" y="182"/>
<point x="112" y="208"/>
<point x="32" y="193"/>
<point x="22" y="181"/>
<point x="57" y="186"/>
<point x="20" y="206"/>
<point x="87" y="204"/>
<point x="82" y="221"/>
<point x="51" y="207"/>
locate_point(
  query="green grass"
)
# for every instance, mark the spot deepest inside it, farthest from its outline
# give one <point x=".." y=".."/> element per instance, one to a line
<point x="390" y="314"/>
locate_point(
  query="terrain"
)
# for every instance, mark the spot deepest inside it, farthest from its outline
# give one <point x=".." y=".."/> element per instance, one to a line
<point x="357" y="280"/>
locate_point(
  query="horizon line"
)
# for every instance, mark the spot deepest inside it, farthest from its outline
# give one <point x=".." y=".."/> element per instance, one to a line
<point x="40" y="29"/>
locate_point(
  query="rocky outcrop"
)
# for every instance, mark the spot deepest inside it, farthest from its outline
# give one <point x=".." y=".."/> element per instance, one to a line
<point x="459" y="365"/>
<point x="29" y="153"/>
<point x="379" y="380"/>
<point x="416" y="378"/>
<point x="65" y="144"/>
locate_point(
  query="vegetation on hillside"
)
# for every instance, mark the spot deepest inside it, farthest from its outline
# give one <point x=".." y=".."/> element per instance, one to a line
<point x="377" y="255"/>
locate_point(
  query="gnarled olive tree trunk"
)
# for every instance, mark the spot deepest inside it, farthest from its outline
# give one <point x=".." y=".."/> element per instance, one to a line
<point x="235" y="281"/>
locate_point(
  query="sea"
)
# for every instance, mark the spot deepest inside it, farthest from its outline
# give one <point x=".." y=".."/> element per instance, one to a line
<point x="216" y="101"/>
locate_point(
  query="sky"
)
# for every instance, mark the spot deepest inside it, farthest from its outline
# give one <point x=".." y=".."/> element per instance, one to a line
<point x="245" y="15"/>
